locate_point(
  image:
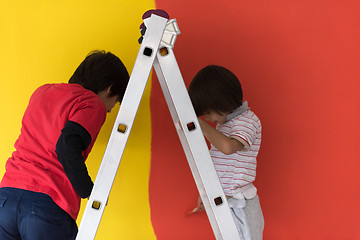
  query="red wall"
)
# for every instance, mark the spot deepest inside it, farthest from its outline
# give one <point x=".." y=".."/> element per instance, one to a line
<point x="299" y="64"/>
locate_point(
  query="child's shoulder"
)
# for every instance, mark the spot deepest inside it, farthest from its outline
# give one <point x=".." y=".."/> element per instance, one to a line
<point x="247" y="116"/>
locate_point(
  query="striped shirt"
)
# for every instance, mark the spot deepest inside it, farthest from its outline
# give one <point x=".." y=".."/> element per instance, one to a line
<point x="237" y="171"/>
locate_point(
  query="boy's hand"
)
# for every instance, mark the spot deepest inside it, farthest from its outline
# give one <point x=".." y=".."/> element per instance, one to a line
<point x="199" y="207"/>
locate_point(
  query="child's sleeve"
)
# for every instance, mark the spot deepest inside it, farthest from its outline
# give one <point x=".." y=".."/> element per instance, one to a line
<point x="244" y="130"/>
<point x="74" y="139"/>
<point x="90" y="115"/>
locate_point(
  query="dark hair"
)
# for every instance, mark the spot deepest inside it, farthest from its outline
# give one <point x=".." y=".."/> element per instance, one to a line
<point x="215" y="88"/>
<point x="101" y="70"/>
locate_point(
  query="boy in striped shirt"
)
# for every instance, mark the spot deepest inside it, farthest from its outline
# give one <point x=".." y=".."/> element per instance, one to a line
<point x="216" y="94"/>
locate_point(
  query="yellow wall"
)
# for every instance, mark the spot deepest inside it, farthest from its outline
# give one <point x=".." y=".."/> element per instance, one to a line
<point x="43" y="42"/>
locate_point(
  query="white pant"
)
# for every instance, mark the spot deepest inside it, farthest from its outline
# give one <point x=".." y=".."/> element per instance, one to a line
<point x="249" y="219"/>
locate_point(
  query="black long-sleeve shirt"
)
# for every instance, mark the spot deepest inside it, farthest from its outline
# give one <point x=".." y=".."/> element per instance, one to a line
<point x="75" y="139"/>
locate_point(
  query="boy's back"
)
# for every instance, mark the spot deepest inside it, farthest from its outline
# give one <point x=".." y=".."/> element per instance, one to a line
<point x="50" y="107"/>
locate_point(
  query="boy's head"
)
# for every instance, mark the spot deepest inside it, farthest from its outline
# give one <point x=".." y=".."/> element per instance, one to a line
<point x="215" y="88"/>
<point x="101" y="70"/>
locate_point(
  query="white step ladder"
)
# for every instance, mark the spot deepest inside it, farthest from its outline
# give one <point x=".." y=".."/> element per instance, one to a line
<point x="156" y="50"/>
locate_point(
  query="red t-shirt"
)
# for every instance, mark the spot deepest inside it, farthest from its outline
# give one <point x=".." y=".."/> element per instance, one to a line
<point x="34" y="165"/>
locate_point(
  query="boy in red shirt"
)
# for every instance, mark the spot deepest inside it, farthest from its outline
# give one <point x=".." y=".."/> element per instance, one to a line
<point x="46" y="177"/>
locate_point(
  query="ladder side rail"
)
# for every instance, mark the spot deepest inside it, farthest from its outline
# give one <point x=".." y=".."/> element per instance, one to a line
<point x="125" y="117"/>
<point x="195" y="147"/>
<point x="186" y="147"/>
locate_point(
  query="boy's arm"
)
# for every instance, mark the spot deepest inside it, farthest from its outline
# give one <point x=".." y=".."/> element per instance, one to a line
<point x="224" y="144"/>
<point x="74" y="139"/>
